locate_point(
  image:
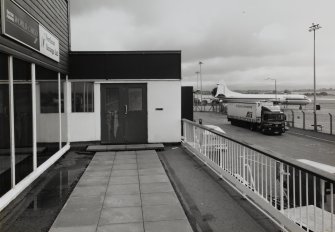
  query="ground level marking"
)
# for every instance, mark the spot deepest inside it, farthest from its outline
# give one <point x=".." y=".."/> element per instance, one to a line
<point x="326" y="140"/>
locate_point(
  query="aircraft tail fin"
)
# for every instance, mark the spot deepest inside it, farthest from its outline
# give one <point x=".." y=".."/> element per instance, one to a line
<point x="222" y="90"/>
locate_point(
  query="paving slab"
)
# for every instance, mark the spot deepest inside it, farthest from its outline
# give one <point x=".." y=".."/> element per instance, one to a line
<point x="122" y="201"/>
<point x="121" y="215"/>
<point x="163" y="213"/>
<point x="123" y="180"/>
<point x="168" y="198"/>
<point x="123" y="189"/>
<point x="168" y="226"/>
<point x="153" y="179"/>
<point x="162" y="187"/>
<point x="126" y="191"/>
<point x="125" y="167"/>
<point x="151" y="171"/>
<point x="124" y="173"/>
<point x="129" y="227"/>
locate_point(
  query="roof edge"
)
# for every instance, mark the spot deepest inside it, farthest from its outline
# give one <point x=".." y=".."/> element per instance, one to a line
<point x="126" y="52"/>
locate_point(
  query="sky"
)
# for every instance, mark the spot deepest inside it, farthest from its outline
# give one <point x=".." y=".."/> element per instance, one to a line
<point x="240" y="42"/>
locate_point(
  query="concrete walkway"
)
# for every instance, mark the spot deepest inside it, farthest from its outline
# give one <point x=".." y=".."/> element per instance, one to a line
<point x="123" y="191"/>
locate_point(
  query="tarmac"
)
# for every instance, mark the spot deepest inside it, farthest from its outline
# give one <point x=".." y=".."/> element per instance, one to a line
<point x="123" y="191"/>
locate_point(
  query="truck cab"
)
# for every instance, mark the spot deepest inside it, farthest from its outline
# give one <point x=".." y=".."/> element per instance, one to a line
<point x="272" y="120"/>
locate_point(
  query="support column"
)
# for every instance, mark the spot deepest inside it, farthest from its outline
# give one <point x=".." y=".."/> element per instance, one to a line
<point x="11" y="118"/>
<point x="59" y="111"/>
<point x="33" y="94"/>
<point x="68" y="107"/>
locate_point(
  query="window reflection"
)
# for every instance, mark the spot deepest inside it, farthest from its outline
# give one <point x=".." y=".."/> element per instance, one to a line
<point x="49" y="97"/>
<point x="5" y="171"/>
<point x="82" y="97"/>
<point x="23" y="129"/>
<point x="135" y="99"/>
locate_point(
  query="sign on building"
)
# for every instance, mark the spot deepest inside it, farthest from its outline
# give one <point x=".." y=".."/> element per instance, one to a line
<point x="22" y="27"/>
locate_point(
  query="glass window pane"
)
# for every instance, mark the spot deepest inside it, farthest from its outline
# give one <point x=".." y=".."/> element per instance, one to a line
<point x="21" y="70"/>
<point x="49" y="97"/>
<point x="112" y="114"/>
<point x="135" y="99"/>
<point x="82" y="97"/>
<point x="47" y="125"/>
<point x="3" y="67"/>
<point x="5" y="168"/>
<point x="23" y="131"/>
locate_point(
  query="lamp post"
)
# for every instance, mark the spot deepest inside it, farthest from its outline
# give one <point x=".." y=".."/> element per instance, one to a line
<point x="197" y="93"/>
<point x="200" y="63"/>
<point x="275" y="85"/>
<point x="313" y="28"/>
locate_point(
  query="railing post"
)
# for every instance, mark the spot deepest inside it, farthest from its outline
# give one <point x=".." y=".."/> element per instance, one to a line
<point x="281" y="180"/>
<point x="304" y="121"/>
<point x="194" y="136"/>
<point x="292" y="118"/>
<point x="205" y="142"/>
<point x="184" y="130"/>
<point x="331" y="123"/>
<point x="244" y="166"/>
<point x="315" y="122"/>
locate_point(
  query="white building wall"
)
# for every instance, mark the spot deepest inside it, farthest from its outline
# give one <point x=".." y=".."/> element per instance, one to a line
<point x="165" y="125"/>
<point x="86" y="126"/>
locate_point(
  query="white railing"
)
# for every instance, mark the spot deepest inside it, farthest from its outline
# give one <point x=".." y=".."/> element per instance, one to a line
<point x="297" y="197"/>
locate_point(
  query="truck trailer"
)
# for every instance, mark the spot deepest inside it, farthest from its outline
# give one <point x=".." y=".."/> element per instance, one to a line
<point x="261" y="115"/>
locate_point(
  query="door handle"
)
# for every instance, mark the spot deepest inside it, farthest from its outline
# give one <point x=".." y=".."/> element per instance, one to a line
<point x="126" y="111"/>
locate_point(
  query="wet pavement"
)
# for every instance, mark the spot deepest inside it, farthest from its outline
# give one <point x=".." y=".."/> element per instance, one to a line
<point x="42" y="203"/>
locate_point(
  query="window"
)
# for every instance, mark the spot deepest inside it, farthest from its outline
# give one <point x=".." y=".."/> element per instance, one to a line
<point x="135" y="99"/>
<point x="82" y="97"/>
<point x="49" y="97"/>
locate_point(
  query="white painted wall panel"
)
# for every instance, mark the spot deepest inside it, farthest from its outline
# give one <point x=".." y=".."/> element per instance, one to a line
<point x="48" y="124"/>
<point x="86" y="126"/>
<point x="165" y="125"/>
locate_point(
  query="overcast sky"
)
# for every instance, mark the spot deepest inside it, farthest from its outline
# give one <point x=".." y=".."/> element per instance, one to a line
<point x="239" y="41"/>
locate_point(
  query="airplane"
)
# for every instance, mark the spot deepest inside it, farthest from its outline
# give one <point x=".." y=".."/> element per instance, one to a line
<point x="227" y="95"/>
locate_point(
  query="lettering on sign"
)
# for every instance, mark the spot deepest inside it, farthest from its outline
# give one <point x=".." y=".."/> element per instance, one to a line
<point x="49" y="44"/>
<point x="22" y="27"/>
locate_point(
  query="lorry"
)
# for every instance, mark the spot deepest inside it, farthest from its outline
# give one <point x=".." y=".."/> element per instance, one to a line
<point x="260" y="115"/>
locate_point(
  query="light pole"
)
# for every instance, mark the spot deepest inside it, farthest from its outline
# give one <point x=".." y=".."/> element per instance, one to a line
<point x="200" y="63"/>
<point x="197" y="93"/>
<point x="313" y="28"/>
<point x="275" y="85"/>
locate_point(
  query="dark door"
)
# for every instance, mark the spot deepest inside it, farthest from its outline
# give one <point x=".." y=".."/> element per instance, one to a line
<point x="124" y="113"/>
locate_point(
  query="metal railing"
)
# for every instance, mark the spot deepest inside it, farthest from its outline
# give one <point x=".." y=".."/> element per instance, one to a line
<point x="296" y="196"/>
<point x="305" y="120"/>
<point x="210" y="107"/>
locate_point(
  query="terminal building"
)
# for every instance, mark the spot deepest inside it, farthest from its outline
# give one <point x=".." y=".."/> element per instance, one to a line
<point x="51" y="97"/>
